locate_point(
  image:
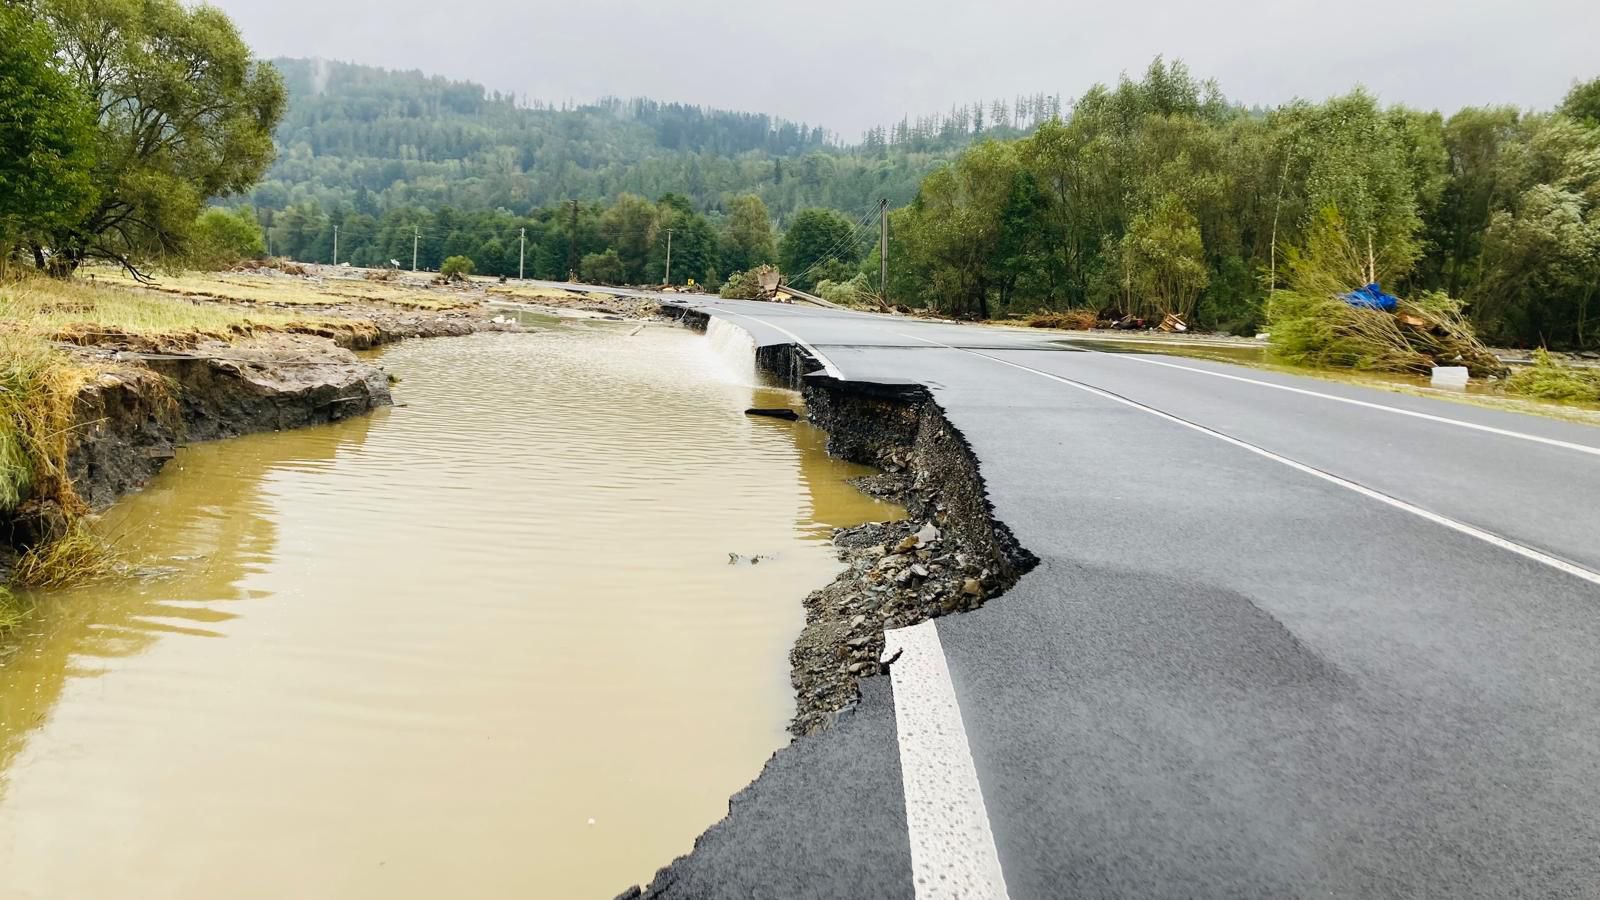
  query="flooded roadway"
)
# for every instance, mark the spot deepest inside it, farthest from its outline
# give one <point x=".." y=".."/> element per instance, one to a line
<point x="489" y="644"/>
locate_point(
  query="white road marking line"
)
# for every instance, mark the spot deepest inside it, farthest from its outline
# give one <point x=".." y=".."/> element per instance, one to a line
<point x="1459" y="423"/>
<point x="952" y="848"/>
<point x="1487" y="537"/>
<point x="827" y="364"/>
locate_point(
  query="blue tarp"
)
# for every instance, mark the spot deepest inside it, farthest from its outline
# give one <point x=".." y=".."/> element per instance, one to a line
<point x="1371" y="297"/>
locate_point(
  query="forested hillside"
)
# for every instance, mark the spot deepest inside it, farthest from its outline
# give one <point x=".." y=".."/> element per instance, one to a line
<point x="376" y="140"/>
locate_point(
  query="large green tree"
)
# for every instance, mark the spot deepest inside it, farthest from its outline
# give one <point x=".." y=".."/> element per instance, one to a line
<point x="747" y="235"/>
<point x="819" y="243"/>
<point x="185" y="115"/>
<point x="45" y="134"/>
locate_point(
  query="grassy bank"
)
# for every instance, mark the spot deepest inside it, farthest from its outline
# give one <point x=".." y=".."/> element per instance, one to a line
<point x="50" y="331"/>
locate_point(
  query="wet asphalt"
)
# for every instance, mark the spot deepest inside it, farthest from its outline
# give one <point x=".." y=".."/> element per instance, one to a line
<point x="1227" y="677"/>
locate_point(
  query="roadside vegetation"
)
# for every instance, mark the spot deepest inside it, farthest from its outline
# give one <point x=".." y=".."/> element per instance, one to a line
<point x="1547" y="379"/>
<point x="1159" y="196"/>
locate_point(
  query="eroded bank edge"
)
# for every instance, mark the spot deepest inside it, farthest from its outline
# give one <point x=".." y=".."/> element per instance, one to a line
<point x="129" y="421"/>
<point x="950" y="554"/>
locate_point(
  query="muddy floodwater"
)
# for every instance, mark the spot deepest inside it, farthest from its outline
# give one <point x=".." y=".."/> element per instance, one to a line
<point x="489" y="644"/>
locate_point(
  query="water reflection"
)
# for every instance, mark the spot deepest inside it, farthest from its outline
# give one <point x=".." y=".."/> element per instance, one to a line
<point x="417" y="655"/>
<point x="192" y="559"/>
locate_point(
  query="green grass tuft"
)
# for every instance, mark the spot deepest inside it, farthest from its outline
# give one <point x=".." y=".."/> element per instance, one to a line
<point x="77" y="557"/>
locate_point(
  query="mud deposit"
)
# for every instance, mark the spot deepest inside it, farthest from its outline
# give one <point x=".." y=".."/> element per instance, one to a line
<point x="507" y="639"/>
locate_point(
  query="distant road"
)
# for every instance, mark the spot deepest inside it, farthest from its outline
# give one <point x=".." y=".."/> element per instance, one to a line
<point x="1287" y="638"/>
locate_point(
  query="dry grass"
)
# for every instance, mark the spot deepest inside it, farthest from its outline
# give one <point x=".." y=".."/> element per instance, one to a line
<point x="287" y="290"/>
<point x="536" y="294"/>
<point x="38" y="390"/>
<point x="88" y="314"/>
<point x="1069" y="319"/>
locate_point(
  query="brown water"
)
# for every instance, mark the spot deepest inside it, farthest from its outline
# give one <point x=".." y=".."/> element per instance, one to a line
<point x="487" y="645"/>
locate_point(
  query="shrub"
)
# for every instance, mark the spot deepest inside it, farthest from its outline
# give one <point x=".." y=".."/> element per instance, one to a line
<point x="222" y="238"/>
<point x="603" y="268"/>
<point x="1547" y="379"/>
<point x="456" y="268"/>
<point x="741" y="286"/>
<point x="852" y="293"/>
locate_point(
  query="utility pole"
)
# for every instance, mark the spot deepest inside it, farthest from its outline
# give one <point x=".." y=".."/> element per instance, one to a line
<point x="572" y="243"/>
<point x="669" y="256"/>
<point x="883" y="251"/>
<point x="416" y="235"/>
<point x="336" y="245"/>
<point x="522" y="246"/>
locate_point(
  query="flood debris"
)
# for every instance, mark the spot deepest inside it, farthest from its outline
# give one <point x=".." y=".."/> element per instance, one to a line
<point x="781" y="412"/>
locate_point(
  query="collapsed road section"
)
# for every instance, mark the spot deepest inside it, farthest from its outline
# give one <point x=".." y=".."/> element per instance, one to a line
<point x="1284" y="638"/>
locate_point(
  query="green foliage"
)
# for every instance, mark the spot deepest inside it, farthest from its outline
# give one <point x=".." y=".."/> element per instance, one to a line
<point x="694" y="245"/>
<point x="1583" y="102"/>
<point x="856" y="293"/>
<point x="632" y="226"/>
<point x="741" y="286"/>
<point x="184" y="114"/>
<point x="747" y="236"/>
<point x="1164" y="261"/>
<point x="456" y="267"/>
<point x="221" y="238"/>
<point x="1547" y="379"/>
<point x="603" y="268"/>
<point x="45" y="134"/>
<point x="819" y="244"/>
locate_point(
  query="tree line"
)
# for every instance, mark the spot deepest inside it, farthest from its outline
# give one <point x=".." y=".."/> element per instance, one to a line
<point x="624" y="241"/>
<point x="1157" y="195"/>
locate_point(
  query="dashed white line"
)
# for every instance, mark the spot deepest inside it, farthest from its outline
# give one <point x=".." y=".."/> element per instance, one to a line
<point x="1487" y="537"/>
<point x="953" y="855"/>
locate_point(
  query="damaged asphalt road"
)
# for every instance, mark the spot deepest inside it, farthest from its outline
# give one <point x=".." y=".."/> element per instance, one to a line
<point x="1283" y="638"/>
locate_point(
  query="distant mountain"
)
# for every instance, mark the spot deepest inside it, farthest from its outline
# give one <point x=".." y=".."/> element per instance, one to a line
<point x="373" y="139"/>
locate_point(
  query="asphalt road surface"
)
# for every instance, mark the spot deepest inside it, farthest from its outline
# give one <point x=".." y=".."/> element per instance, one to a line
<point x="1287" y="638"/>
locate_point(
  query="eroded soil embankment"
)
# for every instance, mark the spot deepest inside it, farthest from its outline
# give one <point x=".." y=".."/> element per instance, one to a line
<point x="948" y="555"/>
<point x="153" y="396"/>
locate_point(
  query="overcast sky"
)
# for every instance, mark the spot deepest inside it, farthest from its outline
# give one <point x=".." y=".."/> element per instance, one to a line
<point x="850" y="65"/>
